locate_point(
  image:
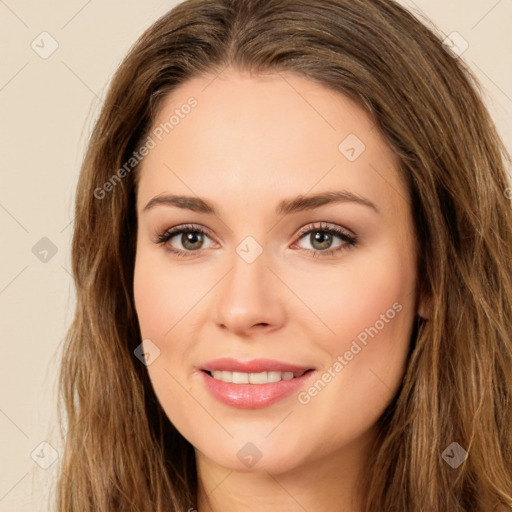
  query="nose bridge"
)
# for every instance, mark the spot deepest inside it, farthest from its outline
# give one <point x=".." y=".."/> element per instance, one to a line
<point x="248" y="280"/>
<point x="247" y="296"/>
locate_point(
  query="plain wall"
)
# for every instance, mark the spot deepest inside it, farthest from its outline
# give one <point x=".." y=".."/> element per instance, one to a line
<point x="48" y="106"/>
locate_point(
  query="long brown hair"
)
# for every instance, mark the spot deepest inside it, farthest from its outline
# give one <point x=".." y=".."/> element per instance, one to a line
<point x="121" y="451"/>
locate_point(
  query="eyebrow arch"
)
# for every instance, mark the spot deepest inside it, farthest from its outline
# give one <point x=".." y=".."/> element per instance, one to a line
<point x="285" y="207"/>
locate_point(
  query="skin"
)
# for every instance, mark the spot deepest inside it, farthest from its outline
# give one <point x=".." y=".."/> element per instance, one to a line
<point x="248" y="144"/>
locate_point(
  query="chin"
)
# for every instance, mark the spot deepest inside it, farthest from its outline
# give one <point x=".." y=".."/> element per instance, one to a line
<point x="253" y="457"/>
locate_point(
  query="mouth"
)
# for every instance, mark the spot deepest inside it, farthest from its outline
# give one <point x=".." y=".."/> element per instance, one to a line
<point x="264" y="377"/>
<point x="253" y="384"/>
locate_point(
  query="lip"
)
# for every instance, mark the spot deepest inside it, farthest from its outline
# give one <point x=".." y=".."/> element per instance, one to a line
<point x="253" y="396"/>
<point x="254" y="366"/>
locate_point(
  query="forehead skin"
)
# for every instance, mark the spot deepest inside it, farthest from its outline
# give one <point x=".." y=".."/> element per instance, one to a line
<point x="278" y="133"/>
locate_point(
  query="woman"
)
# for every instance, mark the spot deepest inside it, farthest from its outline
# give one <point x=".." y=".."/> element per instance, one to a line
<point x="215" y="361"/>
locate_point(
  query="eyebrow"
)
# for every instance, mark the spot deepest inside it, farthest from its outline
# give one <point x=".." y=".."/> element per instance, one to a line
<point x="285" y="207"/>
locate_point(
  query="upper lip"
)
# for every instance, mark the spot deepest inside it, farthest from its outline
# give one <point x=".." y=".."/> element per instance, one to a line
<point x="254" y="366"/>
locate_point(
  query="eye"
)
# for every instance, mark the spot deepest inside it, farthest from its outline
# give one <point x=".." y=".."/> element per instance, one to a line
<point x="321" y="239"/>
<point x="190" y="236"/>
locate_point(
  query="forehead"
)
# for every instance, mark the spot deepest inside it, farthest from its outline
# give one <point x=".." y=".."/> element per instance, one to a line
<point x="250" y="137"/>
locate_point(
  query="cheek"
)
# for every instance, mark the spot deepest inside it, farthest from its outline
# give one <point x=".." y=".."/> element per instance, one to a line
<point x="165" y="301"/>
<point x="371" y="309"/>
<point x="368" y="307"/>
<point x="150" y="300"/>
<point x="161" y="297"/>
<point x="367" y="292"/>
<point x="161" y="300"/>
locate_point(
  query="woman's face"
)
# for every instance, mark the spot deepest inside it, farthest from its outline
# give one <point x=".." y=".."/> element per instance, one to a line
<point x="307" y="259"/>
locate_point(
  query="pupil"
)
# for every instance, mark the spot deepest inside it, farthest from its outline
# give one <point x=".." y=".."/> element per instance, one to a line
<point x="189" y="237"/>
<point x="319" y="237"/>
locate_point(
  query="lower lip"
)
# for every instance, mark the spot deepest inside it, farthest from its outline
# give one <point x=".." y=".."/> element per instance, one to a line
<point x="253" y="396"/>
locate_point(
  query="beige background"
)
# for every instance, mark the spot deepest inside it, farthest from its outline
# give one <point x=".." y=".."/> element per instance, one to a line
<point x="47" y="108"/>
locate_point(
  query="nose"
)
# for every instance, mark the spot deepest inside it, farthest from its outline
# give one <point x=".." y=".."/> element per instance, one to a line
<point x="249" y="298"/>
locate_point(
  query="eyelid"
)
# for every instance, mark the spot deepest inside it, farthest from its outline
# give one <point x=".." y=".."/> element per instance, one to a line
<point x="325" y="226"/>
<point x="302" y="231"/>
<point x="176" y="230"/>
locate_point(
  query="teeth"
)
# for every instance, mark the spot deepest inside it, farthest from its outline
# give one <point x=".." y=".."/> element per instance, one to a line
<point x="254" y="378"/>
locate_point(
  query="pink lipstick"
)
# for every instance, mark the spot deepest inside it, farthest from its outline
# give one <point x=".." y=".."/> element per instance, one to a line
<point x="253" y="384"/>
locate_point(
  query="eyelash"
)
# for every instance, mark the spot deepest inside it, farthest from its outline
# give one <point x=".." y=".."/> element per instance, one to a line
<point x="350" y="241"/>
